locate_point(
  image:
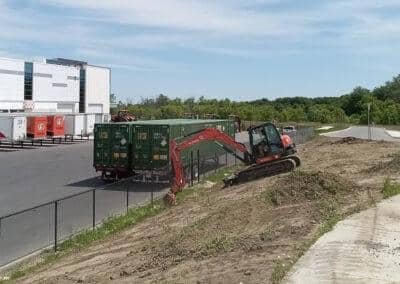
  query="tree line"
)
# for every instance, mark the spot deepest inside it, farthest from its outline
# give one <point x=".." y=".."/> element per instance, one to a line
<point x="349" y="108"/>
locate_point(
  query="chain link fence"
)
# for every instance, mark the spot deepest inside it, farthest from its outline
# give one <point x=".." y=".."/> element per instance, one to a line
<point x="28" y="231"/>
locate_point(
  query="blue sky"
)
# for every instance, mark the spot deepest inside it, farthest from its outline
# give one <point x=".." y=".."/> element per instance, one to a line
<point x="237" y="49"/>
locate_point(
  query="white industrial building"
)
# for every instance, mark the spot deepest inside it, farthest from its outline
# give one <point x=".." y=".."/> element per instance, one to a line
<point x="54" y="86"/>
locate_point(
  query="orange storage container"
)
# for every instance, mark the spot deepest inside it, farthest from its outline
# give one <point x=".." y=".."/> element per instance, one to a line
<point x="36" y="126"/>
<point x="55" y="125"/>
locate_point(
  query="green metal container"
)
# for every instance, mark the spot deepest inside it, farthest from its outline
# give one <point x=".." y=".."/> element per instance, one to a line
<point x="112" y="147"/>
<point x="151" y="141"/>
<point x="143" y="146"/>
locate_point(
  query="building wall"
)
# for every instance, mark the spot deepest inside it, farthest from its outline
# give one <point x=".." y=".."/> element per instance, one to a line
<point x="11" y="83"/>
<point x="55" y="88"/>
<point x="97" y="89"/>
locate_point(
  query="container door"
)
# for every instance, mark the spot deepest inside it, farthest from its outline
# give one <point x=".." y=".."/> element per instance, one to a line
<point x="19" y="128"/>
<point x="102" y="145"/>
<point x="160" y="146"/>
<point x="120" y="156"/>
<point x="6" y="127"/>
<point x="79" y="124"/>
<point x="90" y="120"/>
<point x="98" y="118"/>
<point x="142" y="147"/>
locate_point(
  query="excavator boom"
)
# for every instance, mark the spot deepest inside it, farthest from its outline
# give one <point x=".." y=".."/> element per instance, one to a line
<point x="208" y="134"/>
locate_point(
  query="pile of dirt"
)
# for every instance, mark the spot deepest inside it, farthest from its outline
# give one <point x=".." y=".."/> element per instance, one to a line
<point x="349" y="140"/>
<point x="389" y="165"/>
<point x="309" y="186"/>
<point x="238" y="234"/>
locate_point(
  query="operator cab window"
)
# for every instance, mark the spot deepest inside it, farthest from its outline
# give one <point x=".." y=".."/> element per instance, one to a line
<point x="274" y="139"/>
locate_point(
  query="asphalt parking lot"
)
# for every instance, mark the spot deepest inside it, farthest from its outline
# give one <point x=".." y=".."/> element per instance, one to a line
<point x="29" y="177"/>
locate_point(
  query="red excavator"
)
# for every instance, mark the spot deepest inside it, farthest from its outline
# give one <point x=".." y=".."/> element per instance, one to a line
<point x="270" y="153"/>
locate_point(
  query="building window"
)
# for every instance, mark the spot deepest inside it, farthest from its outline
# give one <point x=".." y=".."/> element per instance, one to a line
<point x="82" y="90"/>
<point x="28" y="81"/>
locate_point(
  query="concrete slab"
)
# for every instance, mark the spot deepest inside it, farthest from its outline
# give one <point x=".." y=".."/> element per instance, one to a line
<point x="393" y="133"/>
<point x="364" y="248"/>
<point x="325" y="127"/>
<point x="361" y="132"/>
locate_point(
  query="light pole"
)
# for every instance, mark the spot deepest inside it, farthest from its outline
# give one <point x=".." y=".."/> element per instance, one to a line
<point x="369" y="123"/>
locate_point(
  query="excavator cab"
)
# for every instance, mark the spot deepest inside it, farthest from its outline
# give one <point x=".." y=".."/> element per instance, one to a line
<point x="265" y="140"/>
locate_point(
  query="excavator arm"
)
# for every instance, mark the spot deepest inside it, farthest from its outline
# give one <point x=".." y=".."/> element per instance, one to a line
<point x="208" y="134"/>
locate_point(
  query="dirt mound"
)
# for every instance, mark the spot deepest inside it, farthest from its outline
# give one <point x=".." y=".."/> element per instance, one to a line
<point x="349" y="140"/>
<point x="308" y="186"/>
<point x="389" y="165"/>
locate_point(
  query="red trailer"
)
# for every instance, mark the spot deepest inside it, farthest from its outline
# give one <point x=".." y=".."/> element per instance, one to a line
<point x="36" y="127"/>
<point x="56" y="125"/>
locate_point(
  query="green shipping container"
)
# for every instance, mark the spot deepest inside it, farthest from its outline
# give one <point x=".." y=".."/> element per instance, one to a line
<point x="151" y="141"/>
<point x="112" y="147"/>
<point x="142" y="146"/>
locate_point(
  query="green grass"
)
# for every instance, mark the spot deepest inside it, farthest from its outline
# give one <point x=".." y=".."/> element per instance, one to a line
<point x="281" y="268"/>
<point x="215" y="245"/>
<point x="222" y="173"/>
<point x="390" y="189"/>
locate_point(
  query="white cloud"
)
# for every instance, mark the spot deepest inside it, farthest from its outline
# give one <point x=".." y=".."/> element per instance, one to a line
<point x="231" y="27"/>
<point x="190" y="15"/>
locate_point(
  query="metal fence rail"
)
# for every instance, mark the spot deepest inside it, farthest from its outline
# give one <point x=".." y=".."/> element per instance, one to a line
<point x="45" y="225"/>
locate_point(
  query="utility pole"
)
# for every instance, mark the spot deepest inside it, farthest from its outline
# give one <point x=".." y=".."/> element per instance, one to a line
<point x="369" y="122"/>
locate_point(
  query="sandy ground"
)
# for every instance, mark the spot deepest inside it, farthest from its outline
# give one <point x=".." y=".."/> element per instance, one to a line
<point x="237" y="234"/>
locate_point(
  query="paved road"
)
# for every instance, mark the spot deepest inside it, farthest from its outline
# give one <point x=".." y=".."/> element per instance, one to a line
<point x="364" y="248"/>
<point x="362" y="133"/>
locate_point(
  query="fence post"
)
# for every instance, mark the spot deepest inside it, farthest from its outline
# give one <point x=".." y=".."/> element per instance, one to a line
<point x="94" y="208"/>
<point x="235" y="158"/>
<point x="191" y="168"/>
<point x="198" y="165"/>
<point x="152" y="197"/>
<point x="127" y="197"/>
<point x="55" y="225"/>
<point x="216" y="162"/>
<point x="226" y="158"/>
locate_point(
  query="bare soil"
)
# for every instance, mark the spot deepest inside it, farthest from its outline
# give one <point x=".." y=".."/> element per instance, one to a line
<point x="236" y="234"/>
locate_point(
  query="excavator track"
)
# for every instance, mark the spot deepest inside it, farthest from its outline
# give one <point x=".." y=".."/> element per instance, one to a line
<point x="253" y="172"/>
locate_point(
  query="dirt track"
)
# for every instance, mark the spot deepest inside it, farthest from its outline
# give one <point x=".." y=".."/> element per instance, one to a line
<point x="237" y="234"/>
